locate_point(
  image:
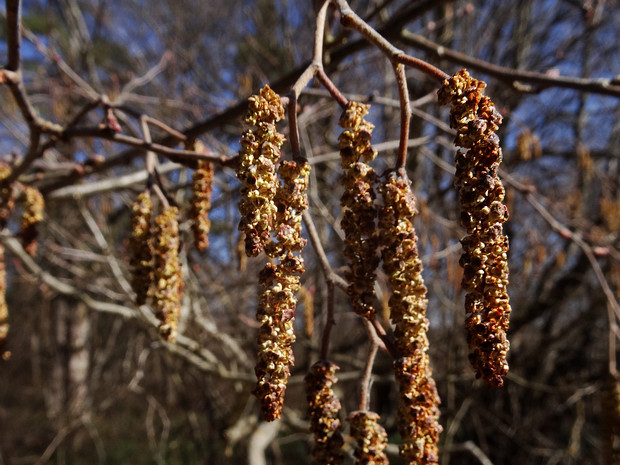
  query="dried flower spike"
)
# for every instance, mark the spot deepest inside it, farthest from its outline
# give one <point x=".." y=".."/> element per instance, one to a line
<point x="276" y="312"/>
<point x="32" y="216"/>
<point x="278" y="285"/>
<point x="418" y="412"/>
<point x="256" y="169"/>
<point x="167" y="272"/>
<point x="485" y="248"/>
<point x="357" y="202"/>
<point x="140" y="247"/>
<point x="370" y="437"/>
<point x="7" y="197"/>
<point x="202" y="186"/>
<point x="323" y="410"/>
<point x="290" y="201"/>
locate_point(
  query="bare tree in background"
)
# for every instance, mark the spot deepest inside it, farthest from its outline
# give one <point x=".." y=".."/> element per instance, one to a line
<point x="104" y="101"/>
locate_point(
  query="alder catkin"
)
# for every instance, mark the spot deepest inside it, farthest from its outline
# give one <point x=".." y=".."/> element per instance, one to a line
<point x="140" y="247"/>
<point x="167" y="273"/>
<point x="418" y="410"/>
<point x="485" y="248"/>
<point x="358" y="209"/>
<point x="7" y="197"/>
<point x="370" y="438"/>
<point x="202" y="188"/>
<point x="34" y="206"/>
<point x="256" y="169"/>
<point x="323" y="410"/>
<point x="278" y="285"/>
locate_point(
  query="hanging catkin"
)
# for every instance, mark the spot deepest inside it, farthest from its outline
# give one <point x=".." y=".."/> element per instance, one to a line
<point x="167" y="272"/>
<point x="32" y="216"/>
<point x="418" y="411"/>
<point x="485" y="248"/>
<point x="358" y="209"/>
<point x="323" y="410"/>
<point x="256" y="169"/>
<point x="140" y="247"/>
<point x="202" y="188"/>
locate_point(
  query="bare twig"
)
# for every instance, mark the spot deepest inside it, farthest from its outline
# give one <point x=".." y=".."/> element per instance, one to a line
<point x="14" y="35"/>
<point x="513" y="76"/>
<point x="405" y="114"/>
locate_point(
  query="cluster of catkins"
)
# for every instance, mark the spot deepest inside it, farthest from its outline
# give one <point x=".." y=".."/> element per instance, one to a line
<point x="155" y="243"/>
<point x="358" y="210"/>
<point x="154" y="259"/>
<point x="273" y="200"/>
<point x="32" y="215"/>
<point x="485" y="248"/>
<point x="418" y="412"/>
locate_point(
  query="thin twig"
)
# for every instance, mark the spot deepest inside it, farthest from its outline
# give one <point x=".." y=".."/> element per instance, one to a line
<point x="513" y="76"/>
<point x="366" y="381"/>
<point x="405" y="115"/>
<point x="13" y="34"/>
<point x="330" y="322"/>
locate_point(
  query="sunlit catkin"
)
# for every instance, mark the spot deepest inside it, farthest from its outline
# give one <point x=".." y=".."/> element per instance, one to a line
<point x="202" y="187"/>
<point x="323" y="410"/>
<point x="140" y="247"/>
<point x="278" y="285"/>
<point x="256" y="169"/>
<point x="485" y="248"/>
<point x="418" y="411"/>
<point x="7" y="197"/>
<point x="32" y="216"/>
<point x="370" y="438"/>
<point x="358" y="209"/>
<point x="167" y="273"/>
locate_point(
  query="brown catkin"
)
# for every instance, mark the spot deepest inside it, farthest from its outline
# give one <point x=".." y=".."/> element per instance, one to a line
<point x="485" y="248"/>
<point x="256" y="169"/>
<point x="7" y="197"/>
<point x="4" y="309"/>
<point x="167" y="272"/>
<point x="140" y="247"/>
<point x="358" y="209"/>
<point x="202" y="187"/>
<point x="370" y="438"/>
<point x="34" y="206"/>
<point x="278" y="285"/>
<point x="323" y="410"/>
<point x="418" y="411"/>
<point x="276" y="312"/>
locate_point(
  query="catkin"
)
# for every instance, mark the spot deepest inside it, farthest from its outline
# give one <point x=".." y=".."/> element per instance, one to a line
<point x="32" y="216"/>
<point x="167" y="272"/>
<point x="370" y="438"/>
<point x="278" y="285"/>
<point x="323" y="410"/>
<point x="358" y="209"/>
<point x="7" y="197"/>
<point x="418" y="411"/>
<point x="202" y="187"/>
<point x="140" y="247"/>
<point x="485" y="248"/>
<point x="256" y="169"/>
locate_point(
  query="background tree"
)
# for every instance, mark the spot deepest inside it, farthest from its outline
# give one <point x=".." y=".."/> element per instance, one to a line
<point x="88" y="85"/>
